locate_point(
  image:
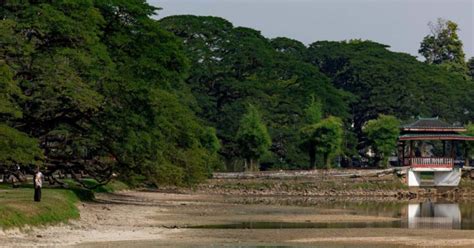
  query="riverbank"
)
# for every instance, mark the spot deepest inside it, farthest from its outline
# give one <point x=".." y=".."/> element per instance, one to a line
<point x="17" y="208"/>
<point x="157" y="219"/>
<point x="324" y="208"/>
<point x="58" y="205"/>
<point x="378" y="185"/>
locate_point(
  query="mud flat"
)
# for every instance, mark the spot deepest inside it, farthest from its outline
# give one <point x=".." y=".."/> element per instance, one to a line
<point x="157" y="219"/>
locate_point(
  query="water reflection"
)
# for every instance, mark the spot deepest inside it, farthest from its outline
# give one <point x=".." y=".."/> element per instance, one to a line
<point x="425" y="214"/>
<point x="432" y="215"/>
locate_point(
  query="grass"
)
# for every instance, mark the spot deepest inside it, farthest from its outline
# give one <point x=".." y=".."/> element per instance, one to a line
<point x="466" y="183"/>
<point x="17" y="208"/>
<point x="112" y="186"/>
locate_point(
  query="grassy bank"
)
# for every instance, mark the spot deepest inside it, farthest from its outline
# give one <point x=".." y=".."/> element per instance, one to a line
<point x="17" y="208"/>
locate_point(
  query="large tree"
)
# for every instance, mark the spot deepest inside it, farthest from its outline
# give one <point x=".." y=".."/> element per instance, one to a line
<point x="234" y="66"/>
<point x="104" y="91"/>
<point x="382" y="134"/>
<point x="386" y="82"/>
<point x="470" y="68"/>
<point x="253" y="138"/>
<point x="442" y="45"/>
<point x="326" y="136"/>
<point x="16" y="147"/>
<point x="313" y="115"/>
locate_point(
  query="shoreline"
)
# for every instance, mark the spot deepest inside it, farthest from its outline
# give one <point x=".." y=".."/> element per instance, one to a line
<point x="157" y="219"/>
<point x="164" y="217"/>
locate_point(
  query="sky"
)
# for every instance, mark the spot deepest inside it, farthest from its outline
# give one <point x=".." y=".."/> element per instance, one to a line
<point x="401" y="24"/>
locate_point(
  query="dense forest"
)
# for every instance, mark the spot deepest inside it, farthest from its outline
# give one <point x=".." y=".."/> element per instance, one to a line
<point x="100" y="87"/>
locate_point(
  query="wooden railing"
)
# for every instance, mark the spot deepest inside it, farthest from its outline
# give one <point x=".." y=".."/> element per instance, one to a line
<point x="432" y="162"/>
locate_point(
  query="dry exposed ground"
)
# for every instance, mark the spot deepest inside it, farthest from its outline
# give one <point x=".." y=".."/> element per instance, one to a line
<point x="152" y="219"/>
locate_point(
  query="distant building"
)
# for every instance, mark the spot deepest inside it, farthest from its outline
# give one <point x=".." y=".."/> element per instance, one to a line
<point x="430" y="145"/>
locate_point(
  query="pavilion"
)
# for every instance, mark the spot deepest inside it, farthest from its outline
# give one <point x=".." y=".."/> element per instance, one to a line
<point x="430" y="145"/>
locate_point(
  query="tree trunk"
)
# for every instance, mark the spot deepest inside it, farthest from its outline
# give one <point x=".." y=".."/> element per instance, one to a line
<point x="383" y="162"/>
<point x="256" y="166"/>
<point x="252" y="165"/>
<point x="312" y="157"/>
<point x="327" y="162"/>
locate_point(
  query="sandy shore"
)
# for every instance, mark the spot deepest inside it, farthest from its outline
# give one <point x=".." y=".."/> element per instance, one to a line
<point x="151" y="219"/>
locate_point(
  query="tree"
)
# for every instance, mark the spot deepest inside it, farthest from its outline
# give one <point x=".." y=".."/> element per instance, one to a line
<point x="470" y="68"/>
<point x="99" y="85"/>
<point x="326" y="137"/>
<point x="233" y="66"/>
<point x="384" y="82"/>
<point x="312" y="115"/>
<point x="253" y="138"/>
<point x="443" y="44"/>
<point x="469" y="144"/>
<point x="17" y="148"/>
<point x="382" y="134"/>
<point x="314" y="112"/>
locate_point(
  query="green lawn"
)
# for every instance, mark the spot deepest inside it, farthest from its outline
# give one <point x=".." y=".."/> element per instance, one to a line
<point x="18" y="209"/>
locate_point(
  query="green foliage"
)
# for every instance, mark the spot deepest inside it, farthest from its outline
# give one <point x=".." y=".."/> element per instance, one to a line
<point x="100" y="84"/>
<point x="470" y="129"/>
<point x="233" y="67"/>
<point x="313" y="113"/>
<point x="382" y="134"/>
<point x="210" y="141"/>
<point x="469" y="144"/>
<point x="17" y="148"/>
<point x="253" y="137"/>
<point x="470" y="68"/>
<point x="102" y="88"/>
<point x="443" y="44"/>
<point x="390" y="83"/>
<point x="326" y="137"/>
<point x="9" y="90"/>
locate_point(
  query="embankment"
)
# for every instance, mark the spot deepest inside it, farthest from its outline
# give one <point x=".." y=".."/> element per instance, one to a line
<point x="18" y="210"/>
<point x="375" y="184"/>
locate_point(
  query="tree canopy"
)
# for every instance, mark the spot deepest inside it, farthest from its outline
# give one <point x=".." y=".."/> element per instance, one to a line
<point x="326" y="136"/>
<point x="103" y="91"/>
<point x="442" y="45"/>
<point x="253" y="138"/>
<point x="382" y="134"/>
<point x="102" y="88"/>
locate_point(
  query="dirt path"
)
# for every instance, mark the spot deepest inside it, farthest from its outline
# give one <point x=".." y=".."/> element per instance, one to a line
<point x="150" y="219"/>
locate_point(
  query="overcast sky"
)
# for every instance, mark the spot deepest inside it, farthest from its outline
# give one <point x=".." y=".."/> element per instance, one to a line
<point x="401" y="24"/>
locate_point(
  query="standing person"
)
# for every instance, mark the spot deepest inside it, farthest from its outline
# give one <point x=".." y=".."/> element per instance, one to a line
<point x="38" y="184"/>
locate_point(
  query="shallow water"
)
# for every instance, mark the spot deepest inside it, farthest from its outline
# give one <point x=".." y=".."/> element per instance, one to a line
<point x="412" y="215"/>
<point x="290" y="225"/>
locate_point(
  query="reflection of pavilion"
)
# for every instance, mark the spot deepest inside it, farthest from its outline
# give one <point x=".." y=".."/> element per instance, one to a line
<point x="430" y="145"/>
<point x="434" y="215"/>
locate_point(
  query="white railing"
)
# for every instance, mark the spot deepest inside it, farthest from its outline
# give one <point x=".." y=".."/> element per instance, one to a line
<point x="432" y="162"/>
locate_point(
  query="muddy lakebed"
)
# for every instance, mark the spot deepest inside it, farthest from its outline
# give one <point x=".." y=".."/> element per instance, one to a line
<point x="281" y="212"/>
<point x="201" y="220"/>
<point x="315" y="211"/>
<point x="165" y="219"/>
